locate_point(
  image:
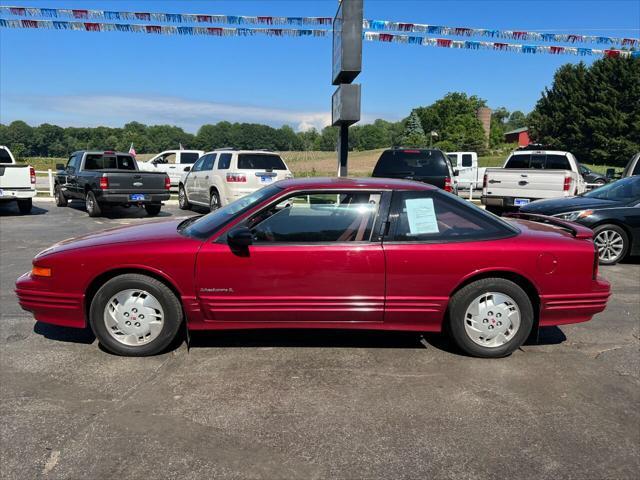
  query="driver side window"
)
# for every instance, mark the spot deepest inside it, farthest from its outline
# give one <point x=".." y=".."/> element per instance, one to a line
<point x="318" y="217"/>
<point x="72" y="163"/>
<point x="198" y="165"/>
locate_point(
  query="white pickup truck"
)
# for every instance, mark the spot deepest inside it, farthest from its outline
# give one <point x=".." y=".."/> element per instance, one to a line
<point x="530" y="175"/>
<point x="470" y="175"/>
<point x="17" y="182"/>
<point x="171" y="162"/>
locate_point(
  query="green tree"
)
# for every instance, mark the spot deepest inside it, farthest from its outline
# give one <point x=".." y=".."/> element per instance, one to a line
<point x="413" y="135"/>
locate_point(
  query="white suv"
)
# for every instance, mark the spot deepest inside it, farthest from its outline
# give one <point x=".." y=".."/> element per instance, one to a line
<point x="224" y="175"/>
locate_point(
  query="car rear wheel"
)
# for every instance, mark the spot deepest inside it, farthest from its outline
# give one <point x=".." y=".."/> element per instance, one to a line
<point x="183" y="202"/>
<point x="135" y="315"/>
<point x="214" y="200"/>
<point x="92" y="205"/>
<point x="612" y="243"/>
<point x="61" y="200"/>
<point x="490" y="318"/>
<point x="153" y="209"/>
<point x="25" y="206"/>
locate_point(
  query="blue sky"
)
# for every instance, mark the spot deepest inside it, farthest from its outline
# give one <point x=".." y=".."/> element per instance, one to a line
<point x="90" y="79"/>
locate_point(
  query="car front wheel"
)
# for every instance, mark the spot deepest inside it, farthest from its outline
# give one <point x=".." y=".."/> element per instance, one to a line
<point x="612" y="243"/>
<point x="135" y="315"/>
<point x="490" y="318"/>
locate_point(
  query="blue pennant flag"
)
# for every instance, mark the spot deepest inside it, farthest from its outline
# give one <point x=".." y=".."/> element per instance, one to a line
<point x="112" y="15"/>
<point x="49" y="12"/>
<point x="61" y="25"/>
<point x="174" y="17"/>
<point x="414" y="39"/>
<point x="472" y="44"/>
<point x="434" y="29"/>
<point x="3" y="22"/>
<point x="548" y="37"/>
<point x="185" y="30"/>
<point x="529" y="49"/>
<point x="233" y="19"/>
<point x="123" y="27"/>
<point x="377" y="25"/>
<point x="585" y="51"/>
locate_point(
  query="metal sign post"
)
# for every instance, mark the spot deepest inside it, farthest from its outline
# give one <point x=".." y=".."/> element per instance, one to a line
<point x="347" y="64"/>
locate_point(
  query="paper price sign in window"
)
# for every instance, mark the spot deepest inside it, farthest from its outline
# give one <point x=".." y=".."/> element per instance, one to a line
<point x="421" y="215"/>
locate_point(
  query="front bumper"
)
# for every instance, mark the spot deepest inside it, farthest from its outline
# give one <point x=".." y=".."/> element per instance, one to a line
<point x="8" y="194"/>
<point x="574" y="308"/>
<point x="58" y="308"/>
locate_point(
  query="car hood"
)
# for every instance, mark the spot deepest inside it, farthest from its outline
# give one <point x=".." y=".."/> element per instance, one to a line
<point x="164" y="230"/>
<point x="555" y="206"/>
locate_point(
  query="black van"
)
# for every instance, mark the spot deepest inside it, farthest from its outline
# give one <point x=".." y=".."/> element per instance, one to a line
<point x="427" y="165"/>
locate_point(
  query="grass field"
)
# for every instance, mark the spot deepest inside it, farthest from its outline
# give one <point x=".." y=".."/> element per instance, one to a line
<point x="315" y="163"/>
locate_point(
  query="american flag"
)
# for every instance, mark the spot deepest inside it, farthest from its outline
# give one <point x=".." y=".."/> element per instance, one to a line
<point x="132" y="151"/>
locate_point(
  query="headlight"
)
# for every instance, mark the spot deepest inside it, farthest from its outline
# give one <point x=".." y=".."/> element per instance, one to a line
<point x="573" y="216"/>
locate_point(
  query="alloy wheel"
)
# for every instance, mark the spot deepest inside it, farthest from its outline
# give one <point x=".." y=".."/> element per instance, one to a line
<point x="492" y="319"/>
<point x="610" y="245"/>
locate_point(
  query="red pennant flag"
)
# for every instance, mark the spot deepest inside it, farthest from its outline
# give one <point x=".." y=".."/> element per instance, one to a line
<point x="204" y="18"/>
<point x="405" y="27"/>
<point x="385" y="37"/>
<point x="92" y="27"/>
<point x="80" y="13"/>
<point x="18" y="11"/>
<point x="153" y="28"/>
<point x="612" y="53"/>
<point x="628" y="41"/>
<point x="500" y="46"/>
<point x="29" y="23"/>
<point x="217" y="31"/>
<point x="519" y="35"/>
<point x="267" y="20"/>
<point x="555" y="50"/>
<point x="143" y="16"/>
<point x="574" y="38"/>
<point x="462" y="31"/>
<point x="443" y="42"/>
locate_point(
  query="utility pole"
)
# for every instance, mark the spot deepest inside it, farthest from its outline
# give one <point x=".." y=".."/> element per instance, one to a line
<point x="347" y="64"/>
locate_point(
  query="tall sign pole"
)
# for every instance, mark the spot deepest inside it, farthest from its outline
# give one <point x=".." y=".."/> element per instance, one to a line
<point x="347" y="64"/>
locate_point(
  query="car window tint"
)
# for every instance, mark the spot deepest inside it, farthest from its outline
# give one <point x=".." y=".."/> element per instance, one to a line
<point x="636" y="169"/>
<point x="518" y="161"/>
<point x="318" y="217"/>
<point x="557" y="162"/>
<point x="224" y="162"/>
<point x="198" y="165"/>
<point x="4" y="156"/>
<point x="72" y="164"/>
<point x="624" y="190"/>
<point x="191" y="157"/>
<point x="433" y="216"/>
<point x="421" y="163"/>
<point x="467" y="160"/>
<point x="208" y="162"/>
<point x="260" y="161"/>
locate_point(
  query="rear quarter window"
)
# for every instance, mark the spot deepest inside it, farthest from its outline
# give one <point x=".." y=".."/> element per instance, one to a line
<point x="4" y="156"/>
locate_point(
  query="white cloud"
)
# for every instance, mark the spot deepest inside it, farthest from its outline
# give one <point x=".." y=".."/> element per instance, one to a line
<point x="115" y="110"/>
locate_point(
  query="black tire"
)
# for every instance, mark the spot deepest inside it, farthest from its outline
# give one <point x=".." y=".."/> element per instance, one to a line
<point x="495" y="210"/>
<point x="600" y="183"/>
<point x="61" y="200"/>
<point x="92" y="205"/>
<point x="153" y="209"/>
<point x="466" y="295"/>
<point x="611" y="230"/>
<point x="169" y="302"/>
<point x="183" y="201"/>
<point x="25" y="205"/>
<point x="214" y="200"/>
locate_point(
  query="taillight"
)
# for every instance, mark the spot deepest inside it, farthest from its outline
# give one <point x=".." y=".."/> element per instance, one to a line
<point x="448" y="187"/>
<point x="167" y="183"/>
<point x="104" y="183"/>
<point x="567" y="184"/>
<point x="485" y="182"/>
<point x="32" y="172"/>
<point x="236" y="177"/>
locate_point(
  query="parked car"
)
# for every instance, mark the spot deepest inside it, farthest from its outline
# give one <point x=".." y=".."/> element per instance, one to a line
<point x="591" y="177"/>
<point x="611" y="211"/>
<point x="633" y="166"/>
<point x="470" y="175"/>
<point x="17" y="182"/>
<point x="106" y="178"/>
<point x="531" y="175"/>
<point x="345" y="253"/>
<point x="172" y="162"/>
<point x="222" y="176"/>
<point x="427" y="165"/>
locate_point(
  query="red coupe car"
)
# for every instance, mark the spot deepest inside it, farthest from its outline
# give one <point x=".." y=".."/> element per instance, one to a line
<point x="323" y="253"/>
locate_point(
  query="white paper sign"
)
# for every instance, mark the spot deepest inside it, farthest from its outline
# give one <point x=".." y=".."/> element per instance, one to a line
<point x="421" y="215"/>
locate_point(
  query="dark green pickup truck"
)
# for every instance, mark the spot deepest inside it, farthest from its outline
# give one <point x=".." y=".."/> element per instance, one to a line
<point x="104" y="178"/>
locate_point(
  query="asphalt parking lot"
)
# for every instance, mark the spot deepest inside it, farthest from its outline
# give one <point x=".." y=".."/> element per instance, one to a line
<point x="309" y="404"/>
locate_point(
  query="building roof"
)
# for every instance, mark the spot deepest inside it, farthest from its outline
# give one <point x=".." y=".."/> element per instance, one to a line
<point x="517" y="130"/>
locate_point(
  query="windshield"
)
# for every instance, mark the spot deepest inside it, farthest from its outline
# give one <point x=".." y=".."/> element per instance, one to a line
<point x="422" y="163"/>
<point x="260" y="161"/>
<point x="625" y="190"/>
<point x="206" y="225"/>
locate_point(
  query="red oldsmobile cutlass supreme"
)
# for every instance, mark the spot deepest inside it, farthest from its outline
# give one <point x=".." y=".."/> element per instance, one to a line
<point x="323" y="253"/>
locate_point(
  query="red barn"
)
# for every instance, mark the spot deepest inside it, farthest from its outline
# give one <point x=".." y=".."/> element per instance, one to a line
<point x="519" y="135"/>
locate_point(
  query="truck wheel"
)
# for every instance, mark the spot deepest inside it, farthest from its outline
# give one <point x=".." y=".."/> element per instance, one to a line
<point x="214" y="200"/>
<point x="135" y="315"/>
<point x="61" y="200"/>
<point x="92" y="205"/>
<point x="152" y="209"/>
<point x="183" y="202"/>
<point x="490" y="318"/>
<point x="25" y="206"/>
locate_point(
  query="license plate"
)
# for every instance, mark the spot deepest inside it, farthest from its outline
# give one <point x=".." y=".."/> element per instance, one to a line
<point x="266" y="179"/>
<point x="136" y="197"/>
<point x="518" y="202"/>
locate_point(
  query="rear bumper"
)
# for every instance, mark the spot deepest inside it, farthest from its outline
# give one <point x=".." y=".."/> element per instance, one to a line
<point x="576" y="307"/>
<point x="17" y="194"/>
<point x="123" y="198"/>
<point x="58" y="308"/>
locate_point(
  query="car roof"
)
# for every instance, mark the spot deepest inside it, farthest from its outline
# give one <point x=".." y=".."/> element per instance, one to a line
<point x="232" y="150"/>
<point x="546" y="152"/>
<point x="329" y="183"/>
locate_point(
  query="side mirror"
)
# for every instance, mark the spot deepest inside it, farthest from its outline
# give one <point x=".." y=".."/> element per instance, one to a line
<point x="187" y="169"/>
<point x="60" y="166"/>
<point x="240" y="237"/>
<point x="456" y="172"/>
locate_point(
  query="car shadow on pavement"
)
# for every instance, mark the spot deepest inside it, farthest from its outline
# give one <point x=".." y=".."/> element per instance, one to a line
<point x="11" y="210"/>
<point x="119" y="212"/>
<point x="64" y="334"/>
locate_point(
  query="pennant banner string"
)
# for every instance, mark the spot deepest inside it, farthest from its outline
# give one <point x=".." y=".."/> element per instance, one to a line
<point x="375" y="25"/>
<point x="292" y="32"/>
